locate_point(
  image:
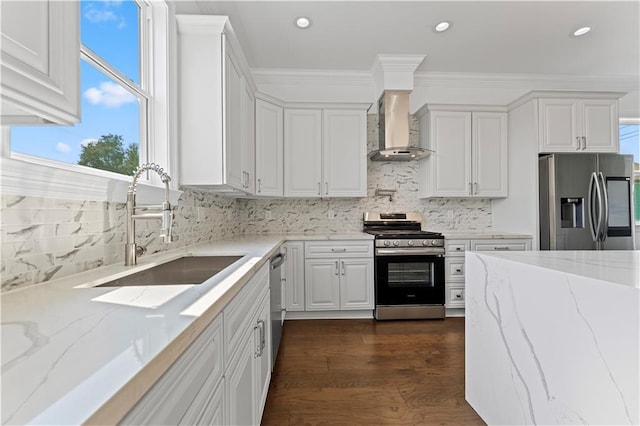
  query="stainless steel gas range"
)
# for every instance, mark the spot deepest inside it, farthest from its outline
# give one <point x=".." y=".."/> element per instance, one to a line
<point x="409" y="267"/>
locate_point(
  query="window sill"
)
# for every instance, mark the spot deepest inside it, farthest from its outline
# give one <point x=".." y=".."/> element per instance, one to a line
<point x="29" y="176"/>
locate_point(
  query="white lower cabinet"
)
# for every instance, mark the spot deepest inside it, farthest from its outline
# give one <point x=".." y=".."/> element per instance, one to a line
<point x="455" y="258"/>
<point x="248" y="371"/>
<point x="187" y="389"/>
<point x="338" y="275"/>
<point x="294" y="276"/>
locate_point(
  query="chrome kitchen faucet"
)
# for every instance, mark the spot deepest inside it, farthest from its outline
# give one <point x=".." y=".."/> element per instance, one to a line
<point x="164" y="213"/>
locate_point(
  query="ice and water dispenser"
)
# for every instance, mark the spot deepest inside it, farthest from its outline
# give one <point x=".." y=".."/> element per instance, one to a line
<point x="572" y="212"/>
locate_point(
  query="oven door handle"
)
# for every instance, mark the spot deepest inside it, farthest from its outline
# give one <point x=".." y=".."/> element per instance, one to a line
<point x="411" y="251"/>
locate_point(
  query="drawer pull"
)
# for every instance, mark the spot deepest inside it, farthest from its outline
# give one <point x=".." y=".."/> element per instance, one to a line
<point x="458" y="296"/>
<point x="458" y="270"/>
<point x="458" y="249"/>
<point x="501" y="248"/>
<point x="341" y="250"/>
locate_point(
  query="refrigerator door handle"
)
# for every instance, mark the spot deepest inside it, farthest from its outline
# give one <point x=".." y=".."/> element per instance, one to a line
<point x="604" y="228"/>
<point x="593" y="184"/>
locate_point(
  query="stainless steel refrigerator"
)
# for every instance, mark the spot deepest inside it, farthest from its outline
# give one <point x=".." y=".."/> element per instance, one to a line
<point x="586" y="202"/>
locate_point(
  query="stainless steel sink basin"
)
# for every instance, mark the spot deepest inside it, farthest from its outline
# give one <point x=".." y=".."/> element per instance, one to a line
<point x="184" y="270"/>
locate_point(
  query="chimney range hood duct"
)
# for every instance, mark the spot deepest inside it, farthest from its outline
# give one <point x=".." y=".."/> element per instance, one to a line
<point x="393" y="129"/>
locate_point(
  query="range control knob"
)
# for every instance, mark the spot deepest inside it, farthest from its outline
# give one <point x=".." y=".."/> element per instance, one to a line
<point x="396" y="243"/>
<point x="410" y="243"/>
<point x="434" y="242"/>
<point x="387" y="243"/>
<point x="425" y="243"/>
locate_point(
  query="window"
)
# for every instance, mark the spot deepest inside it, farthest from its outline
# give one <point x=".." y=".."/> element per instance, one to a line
<point x="126" y="96"/>
<point x="630" y="144"/>
<point x="114" y="95"/>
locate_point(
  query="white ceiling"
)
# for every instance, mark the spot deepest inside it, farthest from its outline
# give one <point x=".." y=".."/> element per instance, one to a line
<point x="530" y="37"/>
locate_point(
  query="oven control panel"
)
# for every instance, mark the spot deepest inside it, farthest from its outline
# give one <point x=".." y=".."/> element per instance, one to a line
<point x="438" y="242"/>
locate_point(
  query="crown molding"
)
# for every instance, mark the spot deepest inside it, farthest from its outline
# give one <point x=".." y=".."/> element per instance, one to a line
<point x="528" y="81"/>
<point x="297" y="77"/>
<point x="294" y="77"/>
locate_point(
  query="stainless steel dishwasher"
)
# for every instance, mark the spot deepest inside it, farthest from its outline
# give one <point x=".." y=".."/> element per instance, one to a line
<point x="275" y="282"/>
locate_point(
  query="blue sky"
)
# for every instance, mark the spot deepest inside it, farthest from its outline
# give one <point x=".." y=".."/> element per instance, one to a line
<point x="110" y="29"/>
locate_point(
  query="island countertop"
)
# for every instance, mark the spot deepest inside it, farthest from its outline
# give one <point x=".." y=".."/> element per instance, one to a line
<point x="71" y="349"/>
<point x="553" y="337"/>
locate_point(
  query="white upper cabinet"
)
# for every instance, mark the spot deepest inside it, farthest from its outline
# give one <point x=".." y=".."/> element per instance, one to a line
<point x="578" y="125"/>
<point x="269" y="149"/>
<point x="325" y="152"/>
<point x="216" y="112"/>
<point x="470" y="153"/>
<point x="40" y="69"/>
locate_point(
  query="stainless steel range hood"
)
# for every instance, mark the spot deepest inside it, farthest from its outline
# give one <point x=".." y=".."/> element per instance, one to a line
<point x="393" y="130"/>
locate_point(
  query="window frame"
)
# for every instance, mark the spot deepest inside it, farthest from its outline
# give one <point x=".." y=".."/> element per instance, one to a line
<point x="636" y="173"/>
<point x="27" y="175"/>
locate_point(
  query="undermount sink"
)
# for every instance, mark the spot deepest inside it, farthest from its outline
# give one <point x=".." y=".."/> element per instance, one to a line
<point x="184" y="270"/>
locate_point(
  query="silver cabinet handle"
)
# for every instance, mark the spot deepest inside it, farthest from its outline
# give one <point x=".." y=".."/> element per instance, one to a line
<point x="337" y="267"/>
<point x="326" y="188"/>
<point x="338" y="250"/>
<point x="470" y="188"/>
<point x="584" y="142"/>
<point x="257" y="353"/>
<point x="319" y="192"/>
<point x="343" y="270"/>
<point x="475" y="186"/>
<point x="259" y="185"/>
<point x="501" y="248"/>
<point x="578" y="148"/>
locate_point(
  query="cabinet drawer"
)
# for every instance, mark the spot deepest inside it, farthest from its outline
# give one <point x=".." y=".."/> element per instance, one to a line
<point x="455" y="269"/>
<point x="456" y="248"/>
<point x="333" y="249"/>
<point x="500" y="245"/>
<point x="170" y="398"/>
<point x="238" y="313"/>
<point x="455" y="297"/>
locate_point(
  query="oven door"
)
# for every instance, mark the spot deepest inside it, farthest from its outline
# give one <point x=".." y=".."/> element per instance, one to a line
<point x="409" y="279"/>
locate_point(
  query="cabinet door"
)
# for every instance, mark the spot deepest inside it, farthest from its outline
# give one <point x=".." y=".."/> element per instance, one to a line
<point x="489" y="154"/>
<point x="345" y="153"/>
<point x="240" y="382"/>
<point x="40" y="62"/>
<point x="600" y="125"/>
<point x="294" y="276"/>
<point x="269" y="149"/>
<point x="558" y="125"/>
<point x="302" y="153"/>
<point x="248" y="140"/>
<point x="451" y="162"/>
<point x="213" y="413"/>
<point x="234" y="123"/>
<point x="263" y="360"/>
<point x="356" y="284"/>
<point x="322" y="284"/>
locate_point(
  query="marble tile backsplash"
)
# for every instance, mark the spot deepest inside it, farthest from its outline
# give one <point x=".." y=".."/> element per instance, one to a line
<point x="45" y="238"/>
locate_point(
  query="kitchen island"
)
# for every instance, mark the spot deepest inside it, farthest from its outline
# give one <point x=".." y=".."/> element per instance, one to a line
<point x="553" y="337"/>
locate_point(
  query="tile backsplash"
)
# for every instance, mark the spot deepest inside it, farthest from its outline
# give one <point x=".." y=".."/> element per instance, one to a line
<point x="46" y="238"/>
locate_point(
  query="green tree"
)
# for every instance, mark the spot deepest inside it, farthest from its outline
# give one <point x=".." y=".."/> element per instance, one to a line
<point x="108" y="153"/>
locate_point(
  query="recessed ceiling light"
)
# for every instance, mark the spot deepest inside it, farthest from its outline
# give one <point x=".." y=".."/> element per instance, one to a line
<point x="303" y="22"/>
<point x="581" y="31"/>
<point x="442" y="26"/>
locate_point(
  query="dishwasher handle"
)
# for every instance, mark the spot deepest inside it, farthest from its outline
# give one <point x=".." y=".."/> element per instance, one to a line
<point x="277" y="261"/>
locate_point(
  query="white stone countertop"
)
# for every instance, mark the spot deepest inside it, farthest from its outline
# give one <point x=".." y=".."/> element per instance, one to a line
<point x="553" y="337"/>
<point x="619" y="267"/>
<point x="479" y="235"/>
<point x="75" y="353"/>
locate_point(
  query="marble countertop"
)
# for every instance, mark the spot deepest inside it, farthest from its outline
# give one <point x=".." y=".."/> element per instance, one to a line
<point x="73" y="352"/>
<point x="478" y="235"/>
<point x="619" y="267"/>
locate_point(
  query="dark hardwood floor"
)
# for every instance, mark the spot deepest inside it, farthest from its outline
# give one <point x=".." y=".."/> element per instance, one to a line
<point x="366" y="372"/>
